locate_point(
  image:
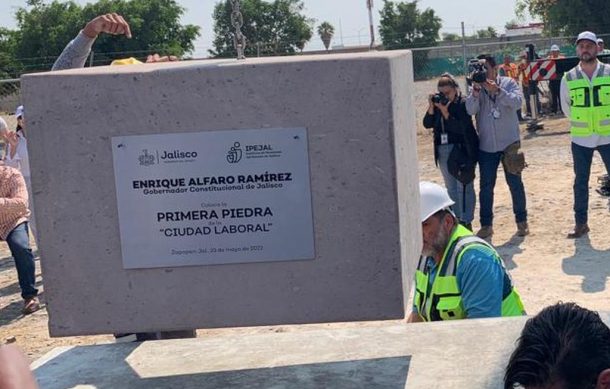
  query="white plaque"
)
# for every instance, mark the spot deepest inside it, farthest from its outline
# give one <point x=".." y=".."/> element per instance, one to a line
<point x="213" y="197"/>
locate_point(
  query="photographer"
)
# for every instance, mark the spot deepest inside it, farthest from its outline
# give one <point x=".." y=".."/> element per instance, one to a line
<point x="455" y="145"/>
<point x="495" y="101"/>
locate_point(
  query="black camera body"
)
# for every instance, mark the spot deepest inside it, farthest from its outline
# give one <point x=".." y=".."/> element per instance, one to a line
<point x="440" y="98"/>
<point x="477" y="72"/>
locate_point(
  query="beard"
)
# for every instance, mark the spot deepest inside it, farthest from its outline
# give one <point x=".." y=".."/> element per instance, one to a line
<point x="587" y="58"/>
<point x="437" y="247"/>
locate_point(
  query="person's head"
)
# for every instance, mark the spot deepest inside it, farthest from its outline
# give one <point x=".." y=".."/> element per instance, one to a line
<point x="563" y="347"/>
<point x="600" y="45"/>
<point x="490" y="65"/>
<point x="554" y="51"/>
<point x="20" y="115"/>
<point x="437" y="219"/>
<point x="448" y="86"/>
<point x="586" y="47"/>
<point x="507" y="59"/>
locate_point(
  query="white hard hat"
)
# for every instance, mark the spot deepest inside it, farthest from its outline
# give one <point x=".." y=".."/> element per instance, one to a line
<point x="554" y="48"/>
<point x="433" y="198"/>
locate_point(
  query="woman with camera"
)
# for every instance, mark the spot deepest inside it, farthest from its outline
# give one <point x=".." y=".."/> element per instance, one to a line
<point x="456" y="145"/>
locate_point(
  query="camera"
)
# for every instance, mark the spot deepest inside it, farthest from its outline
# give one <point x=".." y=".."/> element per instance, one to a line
<point x="440" y="98"/>
<point x="476" y="71"/>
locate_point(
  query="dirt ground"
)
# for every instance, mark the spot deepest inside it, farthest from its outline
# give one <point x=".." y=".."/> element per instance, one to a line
<point x="545" y="266"/>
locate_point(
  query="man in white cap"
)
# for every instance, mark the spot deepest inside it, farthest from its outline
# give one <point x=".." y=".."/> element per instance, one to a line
<point x="459" y="276"/>
<point x="555" y="84"/>
<point x="583" y="100"/>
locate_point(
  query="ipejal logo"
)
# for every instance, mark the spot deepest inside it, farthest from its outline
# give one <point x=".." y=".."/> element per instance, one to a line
<point x="235" y="153"/>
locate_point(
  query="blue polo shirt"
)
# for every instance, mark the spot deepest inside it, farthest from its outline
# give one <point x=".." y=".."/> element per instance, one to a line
<point x="481" y="279"/>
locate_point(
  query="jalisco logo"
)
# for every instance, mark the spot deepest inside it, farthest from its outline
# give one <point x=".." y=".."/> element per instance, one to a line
<point x="147" y="159"/>
<point x="235" y="153"/>
<point x="178" y="155"/>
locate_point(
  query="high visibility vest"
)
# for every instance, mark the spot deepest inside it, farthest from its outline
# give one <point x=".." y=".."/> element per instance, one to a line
<point x="589" y="102"/>
<point x="509" y="70"/>
<point x="443" y="300"/>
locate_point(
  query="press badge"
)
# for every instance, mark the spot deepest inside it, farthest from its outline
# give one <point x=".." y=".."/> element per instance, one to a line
<point x="495" y="113"/>
<point x="444" y="138"/>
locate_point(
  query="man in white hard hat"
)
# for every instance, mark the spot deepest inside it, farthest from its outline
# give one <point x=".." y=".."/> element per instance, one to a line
<point x="555" y="84"/>
<point x="459" y="276"/>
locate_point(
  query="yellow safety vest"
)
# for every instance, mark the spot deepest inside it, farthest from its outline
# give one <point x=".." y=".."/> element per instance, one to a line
<point x="589" y="102"/>
<point x="443" y="300"/>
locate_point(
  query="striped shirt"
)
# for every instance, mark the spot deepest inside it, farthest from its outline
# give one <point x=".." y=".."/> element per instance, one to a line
<point x="13" y="200"/>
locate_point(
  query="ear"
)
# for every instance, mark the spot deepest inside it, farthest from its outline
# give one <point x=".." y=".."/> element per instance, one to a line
<point x="603" y="380"/>
<point x="449" y="222"/>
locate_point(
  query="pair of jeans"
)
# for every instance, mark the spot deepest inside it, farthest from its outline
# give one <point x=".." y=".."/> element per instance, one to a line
<point x="464" y="199"/>
<point x="488" y="171"/>
<point x="555" y="87"/>
<point x="531" y="90"/>
<point x="582" y="157"/>
<point x="19" y="243"/>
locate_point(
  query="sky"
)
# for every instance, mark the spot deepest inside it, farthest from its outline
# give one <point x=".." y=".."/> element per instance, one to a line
<point x="350" y="17"/>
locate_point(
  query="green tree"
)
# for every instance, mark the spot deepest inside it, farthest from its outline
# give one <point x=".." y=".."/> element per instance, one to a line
<point x="271" y="28"/>
<point x="567" y="16"/>
<point x="450" y="37"/>
<point x="44" y="29"/>
<point x="326" y="32"/>
<point x="9" y="67"/>
<point x="403" y="26"/>
<point x="489" y="32"/>
<point x="511" y="24"/>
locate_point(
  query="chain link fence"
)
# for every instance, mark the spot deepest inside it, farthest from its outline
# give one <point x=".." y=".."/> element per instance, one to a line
<point x="452" y="57"/>
<point x="10" y="95"/>
<point x="428" y="62"/>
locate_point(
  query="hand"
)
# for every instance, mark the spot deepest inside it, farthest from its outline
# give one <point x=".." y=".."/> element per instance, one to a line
<point x="109" y="23"/>
<point x="444" y="108"/>
<point x="491" y="87"/>
<point x="157" y="58"/>
<point x="476" y="89"/>
<point x="12" y="139"/>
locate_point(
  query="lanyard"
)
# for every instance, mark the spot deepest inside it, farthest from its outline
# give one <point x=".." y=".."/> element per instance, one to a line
<point x="492" y="98"/>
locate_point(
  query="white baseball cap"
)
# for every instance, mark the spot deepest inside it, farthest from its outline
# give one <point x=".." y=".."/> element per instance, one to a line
<point x="554" y="48"/>
<point x="600" y="40"/>
<point x="587" y="35"/>
<point x="19" y="111"/>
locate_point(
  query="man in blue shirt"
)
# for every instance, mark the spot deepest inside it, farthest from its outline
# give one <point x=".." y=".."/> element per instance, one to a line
<point x="459" y="276"/>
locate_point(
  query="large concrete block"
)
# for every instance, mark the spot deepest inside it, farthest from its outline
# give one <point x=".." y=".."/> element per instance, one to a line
<point x="470" y="354"/>
<point x="343" y="239"/>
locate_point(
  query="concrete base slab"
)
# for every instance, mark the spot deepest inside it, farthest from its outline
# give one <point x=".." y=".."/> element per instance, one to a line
<point x="470" y="354"/>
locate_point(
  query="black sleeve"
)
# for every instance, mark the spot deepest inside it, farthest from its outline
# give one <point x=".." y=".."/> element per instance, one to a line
<point x="471" y="137"/>
<point x="454" y="123"/>
<point x="429" y="120"/>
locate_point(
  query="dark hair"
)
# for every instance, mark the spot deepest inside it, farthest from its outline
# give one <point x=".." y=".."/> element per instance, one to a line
<point x="447" y="79"/>
<point x="488" y="58"/>
<point x="565" y="344"/>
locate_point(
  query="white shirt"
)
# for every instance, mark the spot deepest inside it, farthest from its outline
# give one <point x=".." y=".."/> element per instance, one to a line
<point x="590" y="141"/>
<point x="21" y="159"/>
